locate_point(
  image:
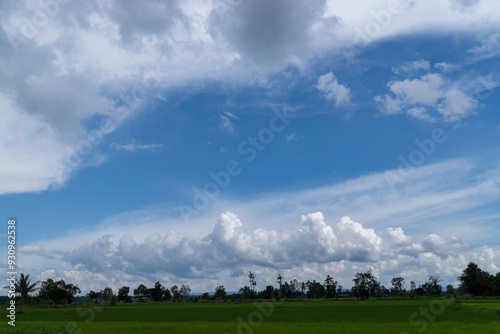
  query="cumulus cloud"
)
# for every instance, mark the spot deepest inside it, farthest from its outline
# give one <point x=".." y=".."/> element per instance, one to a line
<point x="328" y="84"/>
<point x="397" y="237"/>
<point x="444" y="247"/>
<point x="312" y="250"/>
<point x="432" y="243"/>
<point x="230" y="246"/>
<point x="436" y="199"/>
<point x="431" y="97"/>
<point x="93" y="256"/>
<point x="433" y="199"/>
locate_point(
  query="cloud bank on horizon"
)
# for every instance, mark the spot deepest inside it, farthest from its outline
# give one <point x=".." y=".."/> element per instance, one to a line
<point x="314" y="249"/>
<point x="125" y="249"/>
<point x="132" y="104"/>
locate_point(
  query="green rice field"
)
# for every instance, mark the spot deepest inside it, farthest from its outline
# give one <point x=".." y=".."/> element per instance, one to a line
<point x="333" y="316"/>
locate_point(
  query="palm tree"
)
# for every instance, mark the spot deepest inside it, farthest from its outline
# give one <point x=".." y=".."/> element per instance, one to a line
<point x="24" y="286"/>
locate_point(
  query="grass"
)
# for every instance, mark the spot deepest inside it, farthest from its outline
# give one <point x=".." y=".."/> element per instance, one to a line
<point x="342" y="316"/>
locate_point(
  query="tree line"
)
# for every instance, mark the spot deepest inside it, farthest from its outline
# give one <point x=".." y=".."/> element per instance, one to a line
<point x="473" y="281"/>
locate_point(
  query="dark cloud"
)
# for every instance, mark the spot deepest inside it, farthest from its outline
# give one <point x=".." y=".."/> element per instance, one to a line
<point x="268" y="32"/>
<point x="139" y="18"/>
<point x="94" y="256"/>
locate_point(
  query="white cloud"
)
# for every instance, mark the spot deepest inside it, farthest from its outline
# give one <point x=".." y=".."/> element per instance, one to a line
<point x="456" y="105"/>
<point x="420" y="113"/>
<point x="229" y="246"/>
<point x="314" y="249"/>
<point x="290" y="137"/>
<point x="30" y="249"/>
<point x="425" y="90"/>
<point x="328" y="84"/>
<point x="397" y="237"/>
<point x="490" y="47"/>
<point x="133" y="147"/>
<point x="445" y="67"/>
<point x="230" y="115"/>
<point x="412" y="67"/>
<point x="431" y="97"/>
<point x="444" y="247"/>
<point x="226" y="124"/>
<point x="30" y="148"/>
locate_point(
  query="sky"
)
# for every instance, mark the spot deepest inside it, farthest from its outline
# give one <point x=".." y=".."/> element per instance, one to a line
<point x="189" y="142"/>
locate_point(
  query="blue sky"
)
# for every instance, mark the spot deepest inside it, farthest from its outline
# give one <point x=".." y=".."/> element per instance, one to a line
<point x="335" y="152"/>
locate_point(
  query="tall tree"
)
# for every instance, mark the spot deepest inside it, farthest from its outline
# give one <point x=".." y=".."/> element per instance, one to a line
<point x="475" y="281"/>
<point x="413" y="286"/>
<point x="432" y="286"/>
<point x="331" y="287"/>
<point x="107" y="294"/>
<point x="450" y="291"/>
<point x="184" y="291"/>
<point x="365" y="285"/>
<point x="93" y="296"/>
<point x="24" y="287"/>
<point x="141" y="292"/>
<point x="315" y="289"/>
<point x="286" y="290"/>
<point x="58" y="292"/>
<point x="176" y="295"/>
<point x="251" y="278"/>
<point x="294" y="287"/>
<point x="496" y="284"/>
<point x="397" y="286"/>
<point x="220" y="292"/>
<point x="279" y="280"/>
<point x="123" y="294"/>
<point x="72" y="290"/>
<point x="246" y="292"/>
<point x="158" y="292"/>
<point x="167" y="295"/>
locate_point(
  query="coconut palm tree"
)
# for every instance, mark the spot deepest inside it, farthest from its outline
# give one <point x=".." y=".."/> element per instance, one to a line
<point x="24" y="287"/>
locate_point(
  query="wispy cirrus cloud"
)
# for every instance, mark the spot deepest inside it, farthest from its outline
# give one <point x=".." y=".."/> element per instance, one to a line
<point x="412" y="67"/>
<point x="134" y="147"/>
<point x="226" y="124"/>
